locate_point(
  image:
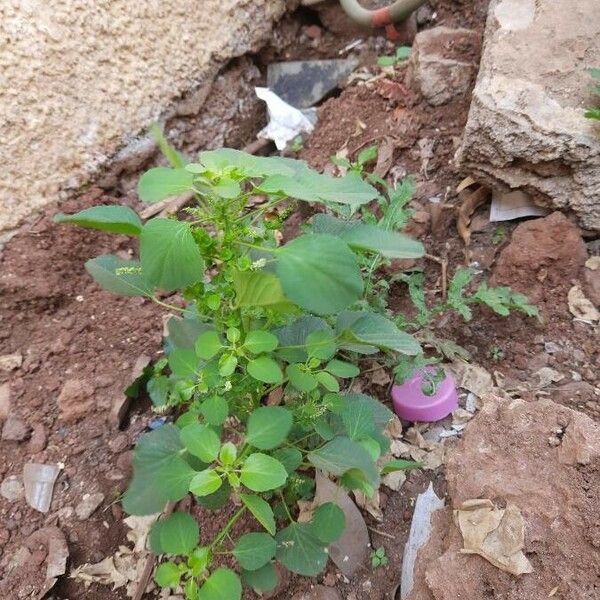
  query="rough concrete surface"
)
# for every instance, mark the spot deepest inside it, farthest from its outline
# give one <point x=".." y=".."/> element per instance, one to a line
<point x="542" y="458"/>
<point x="526" y="127"/>
<point x="79" y="80"/>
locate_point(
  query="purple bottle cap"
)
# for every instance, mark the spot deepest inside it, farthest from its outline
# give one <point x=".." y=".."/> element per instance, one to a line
<point x="411" y="404"/>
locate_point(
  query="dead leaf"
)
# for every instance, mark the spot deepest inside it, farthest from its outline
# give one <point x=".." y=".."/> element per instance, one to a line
<point x="394" y="480"/>
<point x="471" y="377"/>
<point x="580" y="307"/>
<point x="385" y="157"/>
<point x="426" y="150"/>
<point x="377" y="374"/>
<point x="391" y="90"/>
<point x="371" y="505"/>
<point x="305" y="511"/>
<point x="496" y="534"/>
<point x="351" y="550"/>
<point x="464" y="184"/>
<point x="467" y="208"/>
<point x="461" y="416"/>
<point x="139" y="530"/>
<point x="275" y="397"/>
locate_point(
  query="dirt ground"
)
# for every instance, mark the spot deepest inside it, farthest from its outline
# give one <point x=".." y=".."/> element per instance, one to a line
<point x="66" y="329"/>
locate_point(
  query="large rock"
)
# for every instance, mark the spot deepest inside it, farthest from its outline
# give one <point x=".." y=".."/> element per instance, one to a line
<point x="542" y="458"/>
<point x="526" y="127"/>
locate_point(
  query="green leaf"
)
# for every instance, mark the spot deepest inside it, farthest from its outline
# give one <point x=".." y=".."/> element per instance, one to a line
<point x="227" y="365"/>
<point x="159" y="472"/>
<point x="311" y="186"/>
<point x="381" y="413"/>
<point x="178" y="533"/>
<point x="328" y="381"/>
<point x="376" y="330"/>
<point x="119" y="276"/>
<point x="258" y="341"/>
<point x="320" y="344"/>
<point x="261" y="473"/>
<point x="217" y="499"/>
<point x="167" y="575"/>
<point x="403" y="52"/>
<point x="113" y="218"/>
<point x="342" y="369"/>
<point x="208" y="344"/>
<point x="319" y="273"/>
<point x="265" y="369"/>
<point x="162" y="182"/>
<point x="290" y="458"/>
<point x="365" y="236"/>
<point x="257" y="288"/>
<point x="254" y="550"/>
<point x="386" y="61"/>
<point x="262" y="580"/>
<point x="228" y="453"/>
<point x="158" y="390"/>
<point x="201" y="441"/>
<point x="205" y="483"/>
<point x="301" y="379"/>
<point x="292" y="337"/>
<point x="227" y="188"/>
<point x="399" y="465"/>
<point x="268" y="426"/>
<point x="367" y="155"/>
<point x="169" y="255"/>
<point x="261" y="510"/>
<point x="342" y="454"/>
<point x="299" y="549"/>
<point x="222" y="584"/>
<point x="249" y="165"/>
<point x="358" y="419"/>
<point x="183" y="333"/>
<point x="215" y="410"/>
<point x="329" y="522"/>
<point x="175" y="158"/>
<point x="183" y="363"/>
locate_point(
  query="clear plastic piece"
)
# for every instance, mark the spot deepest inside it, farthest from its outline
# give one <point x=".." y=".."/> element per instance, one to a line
<point x="39" y="484"/>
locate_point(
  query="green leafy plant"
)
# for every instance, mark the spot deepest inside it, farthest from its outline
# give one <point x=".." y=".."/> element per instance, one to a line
<point x="402" y="53"/>
<point x="379" y="558"/>
<point x="499" y="236"/>
<point x="261" y="345"/>
<point x="496" y="353"/>
<point x="594" y="113"/>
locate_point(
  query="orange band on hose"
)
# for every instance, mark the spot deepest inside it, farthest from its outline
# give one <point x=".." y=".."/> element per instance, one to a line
<point x="381" y="17"/>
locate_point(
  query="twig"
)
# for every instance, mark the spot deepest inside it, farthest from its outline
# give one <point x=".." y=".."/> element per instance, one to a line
<point x="149" y="566"/>
<point x="389" y="536"/>
<point x="443" y="262"/>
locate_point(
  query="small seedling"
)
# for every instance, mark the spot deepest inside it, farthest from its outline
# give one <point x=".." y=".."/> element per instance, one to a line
<point x="499" y="236"/>
<point x="496" y="353"/>
<point x="297" y="144"/>
<point x="378" y="558"/>
<point x="402" y="53"/>
<point x="594" y="113"/>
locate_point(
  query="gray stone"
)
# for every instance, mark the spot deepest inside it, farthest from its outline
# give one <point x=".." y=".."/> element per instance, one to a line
<point x="89" y="503"/>
<point x="436" y="68"/>
<point x="303" y="83"/>
<point x="15" y="430"/>
<point x="526" y="127"/>
<point x="12" y="488"/>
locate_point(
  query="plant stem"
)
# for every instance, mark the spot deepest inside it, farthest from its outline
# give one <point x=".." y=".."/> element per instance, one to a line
<point x="223" y="533"/>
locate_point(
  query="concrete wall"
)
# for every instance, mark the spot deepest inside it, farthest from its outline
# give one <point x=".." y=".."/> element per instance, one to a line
<point x="80" y="79"/>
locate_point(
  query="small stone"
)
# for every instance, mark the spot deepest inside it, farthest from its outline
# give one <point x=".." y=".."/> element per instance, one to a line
<point x="12" y="488"/>
<point x="15" y="430"/>
<point x="38" y="440"/>
<point x="4" y="401"/>
<point x="119" y="443"/>
<point x="314" y="32"/>
<point x="551" y="347"/>
<point x="89" y="503"/>
<point x="10" y="362"/>
<point x="75" y="400"/>
<point x="318" y="592"/>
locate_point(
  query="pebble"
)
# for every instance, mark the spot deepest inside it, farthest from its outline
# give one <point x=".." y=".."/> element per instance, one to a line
<point x="89" y="503"/>
<point x="38" y="440"/>
<point x="119" y="443"/>
<point x="4" y="401"/>
<point x="10" y="362"/>
<point x="15" y="430"/>
<point x="551" y="347"/>
<point x="12" y="488"/>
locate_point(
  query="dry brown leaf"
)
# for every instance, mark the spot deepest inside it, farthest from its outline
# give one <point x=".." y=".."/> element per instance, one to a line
<point x="275" y="397"/>
<point x="496" y="534"/>
<point x="464" y="184"/>
<point x="371" y="505"/>
<point x="466" y="210"/>
<point x="394" y="480"/>
<point x="461" y="416"/>
<point x="116" y="570"/>
<point x="471" y="377"/>
<point x="377" y="374"/>
<point x="385" y="157"/>
<point x="580" y="307"/>
<point x="391" y="90"/>
<point x="139" y="530"/>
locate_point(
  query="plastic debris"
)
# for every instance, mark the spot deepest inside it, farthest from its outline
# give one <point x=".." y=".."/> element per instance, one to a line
<point x="39" y="484"/>
<point x="507" y="206"/>
<point x="496" y="534"/>
<point x="420" y="530"/>
<point x="303" y="83"/>
<point x="285" y="121"/>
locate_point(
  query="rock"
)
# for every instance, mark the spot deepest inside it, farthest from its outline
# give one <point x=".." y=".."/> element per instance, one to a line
<point x="435" y="68"/>
<point x="4" y="401"/>
<point x="318" y="592"/>
<point x="526" y="127"/>
<point x="38" y="440"/>
<point x="10" y="362"/>
<point x="543" y="254"/>
<point x="15" y="430"/>
<point x="12" y="488"/>
<point x="89" y="503"/>
<point x="119" y="443"/>
<point x="575" y="392"/>
<point x="591" y="283"/>
<point x="551" y="486"/>
<point x="75" y="400"/>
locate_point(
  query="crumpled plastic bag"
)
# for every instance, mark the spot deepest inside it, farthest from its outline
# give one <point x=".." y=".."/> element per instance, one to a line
<point x="496" y="534"/>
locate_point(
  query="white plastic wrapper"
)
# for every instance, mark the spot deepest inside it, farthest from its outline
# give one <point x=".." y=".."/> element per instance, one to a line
<point x="285" y="121"/>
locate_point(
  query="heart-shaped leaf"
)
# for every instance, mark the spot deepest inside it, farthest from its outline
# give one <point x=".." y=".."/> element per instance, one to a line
<point x="254" y="550"/>
<point x="261" y="473"/>
<point x="268" y="426"/>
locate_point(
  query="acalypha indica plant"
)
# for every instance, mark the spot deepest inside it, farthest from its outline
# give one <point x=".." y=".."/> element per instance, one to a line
<point x="258" y="359"/>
